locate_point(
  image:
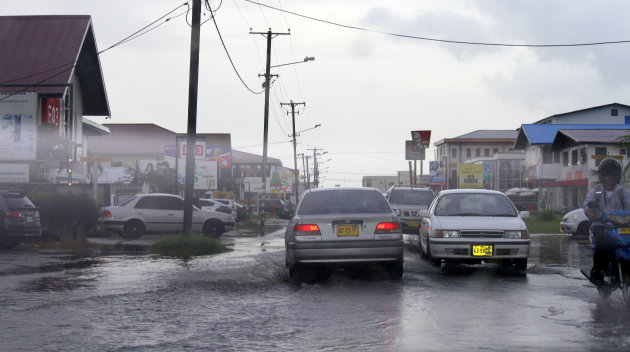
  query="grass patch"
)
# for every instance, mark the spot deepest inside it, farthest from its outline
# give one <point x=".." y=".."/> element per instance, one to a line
<point x="544" y="222"/>
<point x="180" y="246"/>
<point x="74" y="245"/>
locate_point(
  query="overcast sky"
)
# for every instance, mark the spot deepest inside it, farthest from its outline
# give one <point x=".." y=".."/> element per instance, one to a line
<point x="367" y="89"/>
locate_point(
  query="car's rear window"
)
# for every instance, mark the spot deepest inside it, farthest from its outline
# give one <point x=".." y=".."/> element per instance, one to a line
<point x="410" y="196"/>
<point x="475" y="204"/>
<point x="17" y="202"/>
<point x="343" y="202"/>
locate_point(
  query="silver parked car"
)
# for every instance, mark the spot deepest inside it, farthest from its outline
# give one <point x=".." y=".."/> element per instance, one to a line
<point x="338" y="227"/>
<point x="575" y="223"/>
<point x="157" y="212"/>
<point x="406" y="201"/>
<point x="474" y="225"/>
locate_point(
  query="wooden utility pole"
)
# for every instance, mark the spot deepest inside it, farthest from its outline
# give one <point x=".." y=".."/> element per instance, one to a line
<point x="297" y="179"/>
<point x="269" y="35"/>
<point x="192" y="115"/>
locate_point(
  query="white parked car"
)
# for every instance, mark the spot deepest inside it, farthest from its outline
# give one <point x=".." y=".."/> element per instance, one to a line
<point x="473" y="226"/>
<point x="158" y="212"/>
<point x="575" y="222"/>
<point x="230" y="204"/>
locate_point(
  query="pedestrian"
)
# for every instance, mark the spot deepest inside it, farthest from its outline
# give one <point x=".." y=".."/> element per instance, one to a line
<point x="610" y="196"/>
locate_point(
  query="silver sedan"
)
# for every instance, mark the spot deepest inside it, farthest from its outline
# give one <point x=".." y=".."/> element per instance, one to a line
<point x="340" y="227"/>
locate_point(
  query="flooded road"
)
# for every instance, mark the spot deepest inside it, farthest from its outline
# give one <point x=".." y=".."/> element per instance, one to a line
<point x="242" y="300"/>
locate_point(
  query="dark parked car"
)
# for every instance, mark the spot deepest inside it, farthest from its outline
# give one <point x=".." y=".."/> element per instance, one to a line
<point x="19" y="221"/>
<point x="274" y="204"/>
<point x="242" y="212"/>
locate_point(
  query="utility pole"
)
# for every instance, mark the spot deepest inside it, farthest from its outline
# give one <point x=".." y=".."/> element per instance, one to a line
<point x="297" y="179"/>
<point x="308" y="174"/>
<point x="192" y="115"/>
<point x="269" y="35"/>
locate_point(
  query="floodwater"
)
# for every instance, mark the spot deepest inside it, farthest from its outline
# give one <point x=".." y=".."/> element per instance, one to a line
<point x="242" y="301"/>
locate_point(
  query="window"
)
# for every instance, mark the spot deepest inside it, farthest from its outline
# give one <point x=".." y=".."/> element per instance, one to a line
<point x="583" y="156"/>
<point x="486" y="152"/>
<point x="547" y="155"/>
<point x="574" y="157"/>
<point x="468" y="153"/>
<point x="477" y="152"/>
<point x="454" y="153"/>
<point x="495" y="151"/>
<point x="565" y="158"/>
<point x="600" y="151"/>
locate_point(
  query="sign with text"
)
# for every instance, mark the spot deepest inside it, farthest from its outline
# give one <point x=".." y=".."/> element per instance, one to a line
<point x="412" y="152"/>
<point x="18" y="112"/>
<point x="421" y="138"/>
<point x="470" y="176"/>
<point x="14" y="173"/>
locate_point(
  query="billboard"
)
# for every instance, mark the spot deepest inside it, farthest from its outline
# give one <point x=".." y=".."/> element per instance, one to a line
<point x="18" y="125"/>
<point x="470" y="176"/>
<point x="412" y="152"/>
<point x="437" y="173"/>
<point x="221" y="154"/>
<point x="421" y="138"/>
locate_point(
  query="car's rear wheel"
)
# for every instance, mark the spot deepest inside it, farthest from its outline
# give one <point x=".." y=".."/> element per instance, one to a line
<point x="133" y="229"/>
<point x="582" y="229"/>
<point x="213" y="228"/>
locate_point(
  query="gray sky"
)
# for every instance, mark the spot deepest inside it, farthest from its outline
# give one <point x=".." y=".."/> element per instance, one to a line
<point x="368" y="90"/>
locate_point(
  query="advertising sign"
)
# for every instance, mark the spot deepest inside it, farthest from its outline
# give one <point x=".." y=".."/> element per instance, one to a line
<point x="437" y="173"/>
<point x="205" y="174"/>
<point x="412" y="152"/>
<point x="14" y="173"/>
<point x="221" y="154"/>
<point x="470" y="176"/>
<point x="421" y="138"/>
<point x="51" y="115"/>
<point x="17" y="126"/>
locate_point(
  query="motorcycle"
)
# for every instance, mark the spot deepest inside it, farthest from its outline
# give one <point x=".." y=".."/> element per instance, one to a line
<point x="617" y="230"/>
<point x="285" y="213"/>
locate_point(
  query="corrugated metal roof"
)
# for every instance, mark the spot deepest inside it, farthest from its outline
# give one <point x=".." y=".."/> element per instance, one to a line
<point x="489" y="134"/>
<point x="549" y="118"/>
<point x="594" y="136"/>
<point x="50" y="50"/>
<point x="545" y="133"/>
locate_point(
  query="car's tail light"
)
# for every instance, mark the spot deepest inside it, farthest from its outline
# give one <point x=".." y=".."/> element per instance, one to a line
<point x="107" y="214"/>
<point x="387" y="227"/>
<point x="306" y="229"/>
<point x="36" y="214"/>
<point x="13" y="215"/>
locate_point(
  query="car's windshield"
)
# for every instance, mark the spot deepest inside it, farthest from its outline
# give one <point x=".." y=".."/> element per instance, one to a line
<point x="410" y="196"/>
<point x="343" y="202"/>
<point x="475" y="204"/>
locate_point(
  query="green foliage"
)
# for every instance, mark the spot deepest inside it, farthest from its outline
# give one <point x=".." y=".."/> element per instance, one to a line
<point x="546" y="215"/>
<point x="180" y="246"/>
<point x="546" y="222"/>
<point x="66" y="214"/>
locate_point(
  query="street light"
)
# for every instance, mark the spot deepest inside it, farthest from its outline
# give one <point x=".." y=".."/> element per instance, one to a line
<point x="306" y="59"/>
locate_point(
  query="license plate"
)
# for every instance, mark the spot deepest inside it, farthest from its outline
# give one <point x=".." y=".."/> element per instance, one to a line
<point x="413" y="224"/>
<point x="29" y="219"/>
<point x="624" y="230"/>
<point x="482" y="250"/>
<point x="347" y="230"/>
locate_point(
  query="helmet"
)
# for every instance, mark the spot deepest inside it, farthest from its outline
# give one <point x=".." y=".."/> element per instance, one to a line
<point x="609" y="166"/>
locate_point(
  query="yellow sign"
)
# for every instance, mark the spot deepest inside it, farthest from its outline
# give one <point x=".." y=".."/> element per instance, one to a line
<point x="470" y="176"/>
<point x="618" y="157"/>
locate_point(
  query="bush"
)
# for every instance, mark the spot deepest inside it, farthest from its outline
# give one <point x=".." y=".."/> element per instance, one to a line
<point x="180" y="246"/>
<point x="66" y="214"/>
<point x="547" y="215"/>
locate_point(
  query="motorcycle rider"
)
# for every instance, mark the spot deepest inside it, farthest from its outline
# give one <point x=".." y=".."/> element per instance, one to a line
<point x="610" y="196"/>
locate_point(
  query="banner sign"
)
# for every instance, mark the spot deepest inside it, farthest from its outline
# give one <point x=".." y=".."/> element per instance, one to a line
<point x="470" y="176"/>
<point x="412" y="152"/>
<point x="14" y="173"/>
<point x="437" y="173"/>
<point x="17" y="125"/>
<point x="221" y="154"/>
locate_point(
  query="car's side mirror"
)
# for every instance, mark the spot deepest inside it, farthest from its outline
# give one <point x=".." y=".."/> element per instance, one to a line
<point x="524" y="214"/>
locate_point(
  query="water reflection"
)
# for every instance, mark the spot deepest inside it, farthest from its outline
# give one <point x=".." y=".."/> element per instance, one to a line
<point x="557" y="249"/>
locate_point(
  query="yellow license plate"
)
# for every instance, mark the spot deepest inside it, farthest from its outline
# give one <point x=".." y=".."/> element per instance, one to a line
<point x="482" y="250"/>
<point x="624" y="230"/>
<point x="347" y="230"/>
<point x="413" y="224"/>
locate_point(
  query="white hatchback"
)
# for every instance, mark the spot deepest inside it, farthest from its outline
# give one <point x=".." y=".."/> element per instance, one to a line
<point x="473" y="226"/>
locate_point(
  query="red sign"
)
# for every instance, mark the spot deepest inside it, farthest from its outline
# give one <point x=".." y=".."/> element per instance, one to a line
<point x="199" y="150"/>
<point x="51" y="114"/>
<point x="421" y="138"/>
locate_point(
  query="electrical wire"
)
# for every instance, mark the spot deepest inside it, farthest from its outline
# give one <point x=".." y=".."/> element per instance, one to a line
<point x="230" y="57"/>
<point x="407" y="36"/>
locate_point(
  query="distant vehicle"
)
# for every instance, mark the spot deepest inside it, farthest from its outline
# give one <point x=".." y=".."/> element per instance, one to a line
<point x="575" y="223"/>
<point x="230" y="204"/>
<point x="207" y="204"/>
<point x="406" y="201"/>
<point x="341" y="227"/>
<point x="473" y="226"/>
<point x="159" y="212"/>
<point x="19" y="219"/>
<point x="242" y="212"/>
<point x="276" y="205"/>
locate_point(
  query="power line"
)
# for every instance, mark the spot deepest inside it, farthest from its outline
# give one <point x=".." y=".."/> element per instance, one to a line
<point x="441" y="40"/>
